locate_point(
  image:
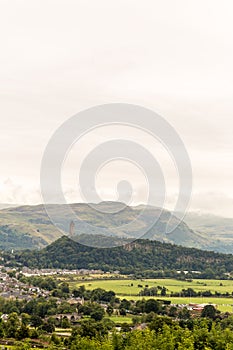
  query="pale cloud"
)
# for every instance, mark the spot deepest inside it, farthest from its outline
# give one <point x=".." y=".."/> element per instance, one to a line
<point x="13" y="192"/>
<point x="59" y="57"/>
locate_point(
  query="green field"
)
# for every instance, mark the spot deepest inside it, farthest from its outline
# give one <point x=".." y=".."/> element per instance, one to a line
<point x="121" y="319"/>
<point x="222" y="304"/>
<point x="128" y="288"/>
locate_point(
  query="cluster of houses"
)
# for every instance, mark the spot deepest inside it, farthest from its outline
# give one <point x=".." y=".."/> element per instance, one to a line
<point x="50" y="272"/>
<point x="193" y="307"/>
<point x="11" y="288"/>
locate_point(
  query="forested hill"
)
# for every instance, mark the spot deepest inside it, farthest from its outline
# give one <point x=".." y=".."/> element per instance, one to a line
<point x="137" y="256"/>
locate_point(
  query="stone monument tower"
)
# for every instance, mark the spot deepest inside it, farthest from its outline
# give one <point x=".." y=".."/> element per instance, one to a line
<point x="72" y="229"/>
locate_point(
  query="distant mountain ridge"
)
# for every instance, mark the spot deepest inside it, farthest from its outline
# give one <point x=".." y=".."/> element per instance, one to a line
<point x="30" y="227"/>
<point x="216" y="228"/>
<point x="33" y="222"/>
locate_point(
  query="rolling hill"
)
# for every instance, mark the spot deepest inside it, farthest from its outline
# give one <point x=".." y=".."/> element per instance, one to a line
<point x="133" y="257"/>
<point x="218" y="229"/>
<point x="30" y="226"/>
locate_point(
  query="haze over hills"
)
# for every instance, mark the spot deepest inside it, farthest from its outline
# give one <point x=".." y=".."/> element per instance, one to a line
<point x="30" y="227"/>
<point x="7" y="205"/>
<point x="217" y="228"/>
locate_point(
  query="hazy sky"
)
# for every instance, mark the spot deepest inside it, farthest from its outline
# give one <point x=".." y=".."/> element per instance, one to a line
<point x="60" y="57"/>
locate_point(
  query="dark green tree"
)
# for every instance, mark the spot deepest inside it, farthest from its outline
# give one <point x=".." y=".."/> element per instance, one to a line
<point x="152" y="305"/>
<point x="209" y="311"/>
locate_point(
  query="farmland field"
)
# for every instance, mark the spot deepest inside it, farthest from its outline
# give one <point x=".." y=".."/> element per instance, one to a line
<point x="222" y="304"/>
<point x="121" y="319"/>
<point x="130" y="288"/>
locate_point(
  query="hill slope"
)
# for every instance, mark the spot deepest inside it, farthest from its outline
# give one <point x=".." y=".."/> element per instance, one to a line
<point x="216" y="228"/>
<point x="133" y="257"/>
<point x="32" y="224"/>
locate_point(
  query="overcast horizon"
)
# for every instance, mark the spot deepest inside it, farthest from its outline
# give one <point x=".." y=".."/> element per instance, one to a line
<point x="59" y="58"/>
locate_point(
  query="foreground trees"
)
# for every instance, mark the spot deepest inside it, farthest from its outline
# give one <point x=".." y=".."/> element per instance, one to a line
<point x="94" y="336"/>
<point x="155" y="325"/>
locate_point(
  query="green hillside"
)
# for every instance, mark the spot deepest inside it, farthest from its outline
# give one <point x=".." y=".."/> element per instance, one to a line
<point x="133" y="257"/>
<point x="33" y="223"/>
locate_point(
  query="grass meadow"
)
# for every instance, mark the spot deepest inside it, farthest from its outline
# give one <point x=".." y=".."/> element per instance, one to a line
<point x="130" y="288"/>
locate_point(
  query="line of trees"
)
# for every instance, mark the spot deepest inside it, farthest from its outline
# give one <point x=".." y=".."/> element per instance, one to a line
<point x="188" y="292"/>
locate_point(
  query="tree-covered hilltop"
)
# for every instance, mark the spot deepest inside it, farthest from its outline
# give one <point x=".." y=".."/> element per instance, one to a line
<point x="135" y="257"/>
